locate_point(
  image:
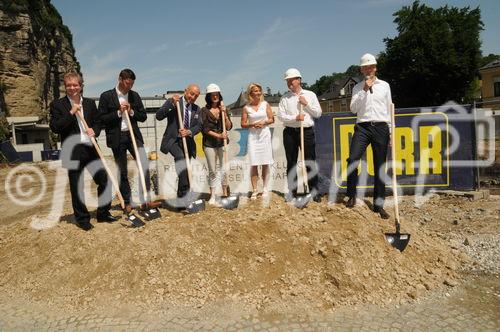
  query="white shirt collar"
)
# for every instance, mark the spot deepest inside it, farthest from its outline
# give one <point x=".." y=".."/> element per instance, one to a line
<point x="71" y="101"/>
<point x="120" y="93"/>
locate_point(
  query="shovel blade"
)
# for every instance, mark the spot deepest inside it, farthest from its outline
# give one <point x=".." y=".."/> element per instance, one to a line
<point x="231" y="202"/>
<point x="196" y="206"/>
<point x="302" y="201"/>
<point x="398" y="240"/>
<point x="135" y="220"/>
<point x="150" y="214"/>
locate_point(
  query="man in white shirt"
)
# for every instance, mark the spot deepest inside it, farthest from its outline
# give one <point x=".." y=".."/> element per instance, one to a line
<point x="371" y="102"/>
<point x="289" y="114"/>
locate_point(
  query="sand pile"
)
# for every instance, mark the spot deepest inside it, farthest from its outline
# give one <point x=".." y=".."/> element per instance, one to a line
<point x="266" y="258"/>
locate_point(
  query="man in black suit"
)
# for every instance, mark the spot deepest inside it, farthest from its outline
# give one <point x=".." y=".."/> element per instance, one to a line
<point x="172" y="138"/>
<point x="112" y="104"/>
<point x="77" y="150"/>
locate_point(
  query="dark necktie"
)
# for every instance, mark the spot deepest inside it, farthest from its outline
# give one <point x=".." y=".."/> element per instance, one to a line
<point x="186" y="117"/>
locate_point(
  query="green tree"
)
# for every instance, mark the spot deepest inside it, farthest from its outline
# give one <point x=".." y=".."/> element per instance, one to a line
<point x="435" y="56"/>
<point x="324" y="82"/>
<point x="488" y="58"/>
<point x="353" y="71"/>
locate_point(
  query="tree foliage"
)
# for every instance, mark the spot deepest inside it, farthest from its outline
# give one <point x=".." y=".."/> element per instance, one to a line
<point x="324" y="82"/>
<point x="435" y="56"/>
<point x="488" y="58"/>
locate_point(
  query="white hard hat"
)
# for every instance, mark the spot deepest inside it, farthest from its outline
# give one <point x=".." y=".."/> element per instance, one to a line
<point x="212" y="88"/>
<point x="291" y="73"/>
<point x="367" y="59"/>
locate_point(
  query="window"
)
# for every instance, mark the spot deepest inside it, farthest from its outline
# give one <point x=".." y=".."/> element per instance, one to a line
<point x="348" y="88"/>
<point x="496" y="89"/>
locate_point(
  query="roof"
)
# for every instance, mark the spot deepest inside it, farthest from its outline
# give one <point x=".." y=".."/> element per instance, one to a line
<point x="337" y="86"/>
<point x="239" y="103"/>
<point x="492" y="64"/>
<point x="22" y="119"/>
<point x="36" y="126"/>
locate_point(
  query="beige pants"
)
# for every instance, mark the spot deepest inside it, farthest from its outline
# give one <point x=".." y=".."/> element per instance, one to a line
<point x="215" y="161"/>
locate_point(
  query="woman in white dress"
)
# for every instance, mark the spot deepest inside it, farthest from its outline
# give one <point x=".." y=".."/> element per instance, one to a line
<point x="257" y="116"/>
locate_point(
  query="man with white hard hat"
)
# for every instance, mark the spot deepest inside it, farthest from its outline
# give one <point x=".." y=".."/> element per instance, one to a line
<point x="371" y="102"/>
<point x="289" y="113"/>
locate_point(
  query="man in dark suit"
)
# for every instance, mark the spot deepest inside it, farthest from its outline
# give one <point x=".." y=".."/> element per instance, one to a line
<point x="112" y="104"/>
<point x="77" y="150"/>
<point x="172" y="138"/>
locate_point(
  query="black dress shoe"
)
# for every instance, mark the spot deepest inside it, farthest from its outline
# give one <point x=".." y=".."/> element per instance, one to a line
<point x="380" y="210"/>
<point x="85" y="225"/>
<point x="351" y="202"/>
<point x="317" y="198"/>
<point x="109" y="218"/>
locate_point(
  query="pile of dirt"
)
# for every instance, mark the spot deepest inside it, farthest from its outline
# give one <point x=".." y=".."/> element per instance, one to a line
<point x="267" y="258"/>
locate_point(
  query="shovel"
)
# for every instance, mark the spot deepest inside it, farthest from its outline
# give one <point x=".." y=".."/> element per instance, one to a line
<point x="229" y="202"/>
<point x="199" y="204"/>
<point x="148" y="213"/>
<point x="398" y="240"/>
<point x="132" y="218"/>
<point x="302" y="200"/>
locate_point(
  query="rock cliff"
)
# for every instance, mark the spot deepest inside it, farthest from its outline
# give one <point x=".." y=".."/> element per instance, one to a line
<point x="35" y="51"/>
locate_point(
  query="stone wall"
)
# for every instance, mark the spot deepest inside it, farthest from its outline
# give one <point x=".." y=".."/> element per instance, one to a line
<point x="35" y="51"/>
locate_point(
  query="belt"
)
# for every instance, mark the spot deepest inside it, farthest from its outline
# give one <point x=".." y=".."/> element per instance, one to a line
<point x="298" y="128"/>
<point x="372" y="123"/>
<point x="125" y="132"/>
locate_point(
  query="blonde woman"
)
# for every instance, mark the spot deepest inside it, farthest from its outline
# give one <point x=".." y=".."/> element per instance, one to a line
<point x="257" y="116"/>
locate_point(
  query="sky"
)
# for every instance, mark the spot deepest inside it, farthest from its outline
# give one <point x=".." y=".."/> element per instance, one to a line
<point x="169" y="44"/>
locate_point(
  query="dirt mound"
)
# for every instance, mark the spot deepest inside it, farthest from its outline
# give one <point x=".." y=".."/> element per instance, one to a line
<point x="266" y="258"/>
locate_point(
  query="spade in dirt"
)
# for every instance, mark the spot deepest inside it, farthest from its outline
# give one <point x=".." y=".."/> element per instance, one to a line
<point x="303" y="199"/>
<point x="228" y="202"/>
<point x="398" y="240"/>
<point x="130" y="217"/>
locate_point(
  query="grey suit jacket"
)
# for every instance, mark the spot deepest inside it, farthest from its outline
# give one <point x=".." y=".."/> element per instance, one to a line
<point x="171" y="136"/>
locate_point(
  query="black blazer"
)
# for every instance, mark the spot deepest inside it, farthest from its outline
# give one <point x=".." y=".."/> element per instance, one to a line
<point x="108" y="113"/>
<point x="63" y="123"/>
<point x="171" y="135"/>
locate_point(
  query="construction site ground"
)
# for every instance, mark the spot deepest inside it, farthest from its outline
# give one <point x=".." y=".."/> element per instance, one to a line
<point x="265" y="265"/>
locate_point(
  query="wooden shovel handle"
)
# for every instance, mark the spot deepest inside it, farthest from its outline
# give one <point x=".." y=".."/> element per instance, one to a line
<point x="302" y="153"/>
<point x="137" y="156"/>
<point x="393" y="160"/>
<point x="106" y="167"/>
<point x="184" y="145"/>
<point x="225" y="140"/>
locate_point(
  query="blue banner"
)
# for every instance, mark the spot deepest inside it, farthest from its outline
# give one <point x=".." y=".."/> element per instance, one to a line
<point x="434" y="149"/>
